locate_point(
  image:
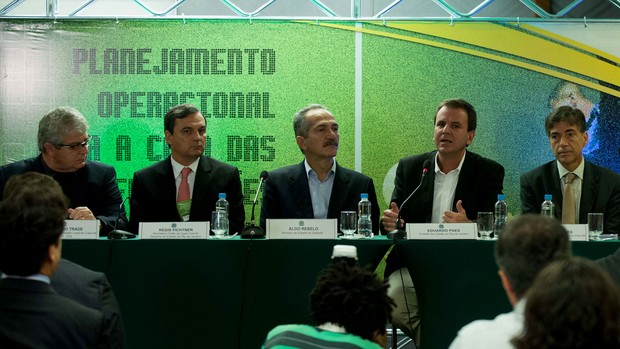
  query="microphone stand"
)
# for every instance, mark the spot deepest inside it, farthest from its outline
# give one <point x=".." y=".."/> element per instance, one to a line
<point x="119" y="233"/>
<point x="399" y="232"/>
<point x="253" y="231"/>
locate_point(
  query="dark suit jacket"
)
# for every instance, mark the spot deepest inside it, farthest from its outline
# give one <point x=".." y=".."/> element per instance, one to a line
<point x="600" y="192"/>
<point x="93" y="186"/>
<point x="154" y="193"/>
<point x="93" y="290"/>
<point x="287" y="194"/>
<point x="32" y="315"/>
<point x="480" y="180"/>
<point x="611" y="264"/>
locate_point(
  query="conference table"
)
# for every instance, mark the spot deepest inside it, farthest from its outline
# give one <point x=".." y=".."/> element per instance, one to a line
<point x="230" y="293"/>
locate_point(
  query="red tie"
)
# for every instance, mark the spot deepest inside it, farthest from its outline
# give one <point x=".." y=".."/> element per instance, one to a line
<point x="184" y="186"/>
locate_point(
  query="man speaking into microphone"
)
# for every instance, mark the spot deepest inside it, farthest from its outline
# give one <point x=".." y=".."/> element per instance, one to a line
<point x="458" y="185"/>
<point x="318" y="187"/>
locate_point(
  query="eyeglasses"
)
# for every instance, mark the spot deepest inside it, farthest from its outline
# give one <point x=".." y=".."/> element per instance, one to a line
<point x="76" y="145"/>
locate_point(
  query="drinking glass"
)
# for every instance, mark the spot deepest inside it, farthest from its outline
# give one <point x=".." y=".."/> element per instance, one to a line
<point x="485" y="225"/>
<point x="348" y="223"/>
<point x="219" y="224"/>
<point x="595" y="225"/>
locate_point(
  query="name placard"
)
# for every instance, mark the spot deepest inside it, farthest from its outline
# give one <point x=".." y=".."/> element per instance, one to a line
<point x="302" y="228"/>
<point x="441" y="231"/>
<point x="81" y="229"/>
<point x="577" y="232"/>
<point x="174" y="230"/>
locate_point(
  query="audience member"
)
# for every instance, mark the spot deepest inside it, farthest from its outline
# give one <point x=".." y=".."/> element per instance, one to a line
<point x="527" y="245"/>
<point x="459" y="184"/>
<point x="572" y="304"/>
<point x="318" y="187"/>
<point x="32" y="314"/>
<point x="351" y="306"/>
<point x="578" y="187"/>
<point x="185" y="186"/>
<point x="90" y="186"/>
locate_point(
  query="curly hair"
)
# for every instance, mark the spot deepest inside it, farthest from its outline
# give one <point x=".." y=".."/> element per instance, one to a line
<point x="573" y="304"/>
<point x="352" y="297"/>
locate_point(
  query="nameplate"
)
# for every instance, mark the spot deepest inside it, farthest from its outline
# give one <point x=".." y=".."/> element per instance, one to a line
<point x="577" y="232"/>
<point x="302" y="228"/>
<point x="441" y="231"/>
<point x="174" y="230"/>
<point x="81" y="229"/>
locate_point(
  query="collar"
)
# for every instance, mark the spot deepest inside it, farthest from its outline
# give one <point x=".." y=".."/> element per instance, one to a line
<point x="35" y="277"/>
<point x="177" y="167"/>
<point x="332" y="327"/>
<point x="310" y="170"/>
<point x="458" y="168"/>
<point x="578" y="171"/>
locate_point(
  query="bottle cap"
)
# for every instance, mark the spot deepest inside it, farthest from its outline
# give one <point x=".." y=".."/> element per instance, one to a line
<point x="364" y="195"/>
<point x="344" y="251"/>
<point x="501" y="197"/>
<point x="221" y="195"/>
<point x="548" y="197"/>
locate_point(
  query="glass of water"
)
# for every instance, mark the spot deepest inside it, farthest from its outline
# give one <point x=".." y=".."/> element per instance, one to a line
<point x="348" y="223"/>
<point x="485" y="225"/>
<point x="219" y="224"/>
<point x="595" y="226"/>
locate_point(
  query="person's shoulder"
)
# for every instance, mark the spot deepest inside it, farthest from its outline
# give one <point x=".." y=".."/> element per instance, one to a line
<point x="484" y="161"/>
<point x="18" y="167"/>
<point x="285" y="170"/>
<point x="495" y="333"/>
<point x="217" y="164"/>
<point x="603" y="171"/>
<point x="69" y="268"/>
<point x="418" y="159"/>
<point x="155" y="167"/>
<point x="351" y="172"/>
<point x="542" y="170"/>
<point x="98" y="166"/>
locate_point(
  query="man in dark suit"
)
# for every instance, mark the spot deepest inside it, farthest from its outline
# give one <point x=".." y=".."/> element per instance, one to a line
<point x="458" y="185"/>
<point x="318" y="187"/>
<point x="90" y="186"/>
<point x="32" y="314"/>
<point x="157" y="193"/>
<point x="591" y="188"/>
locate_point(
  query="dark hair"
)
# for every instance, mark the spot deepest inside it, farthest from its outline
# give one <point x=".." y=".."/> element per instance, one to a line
<point x="567" y="114"/>
<point x="458" y="103"/>
<point x="527" y="244"/>
<point x="32" y="218"/>
<point x="573" y="304"/>
<point x="352" y="297"/>
<point x="178" y="112"/>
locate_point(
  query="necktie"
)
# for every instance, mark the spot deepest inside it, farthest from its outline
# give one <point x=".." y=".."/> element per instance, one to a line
<point x="568" y="202"/>
<point x="184" y="186"/>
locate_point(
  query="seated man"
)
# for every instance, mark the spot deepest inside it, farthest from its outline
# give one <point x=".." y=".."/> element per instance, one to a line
<point x="90" y="186"/>
<point x="351" y="306"/>
<point x="32" y="314"/>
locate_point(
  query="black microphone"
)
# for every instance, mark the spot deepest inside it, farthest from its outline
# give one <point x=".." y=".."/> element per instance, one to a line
<point x="119" y="233"/>
<point x="398" y="233"/>
<point x="253" y="231"/>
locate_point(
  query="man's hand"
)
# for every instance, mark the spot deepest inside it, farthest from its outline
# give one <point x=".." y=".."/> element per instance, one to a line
<point x="389" y="218"/>
<point x="456" y="217"/>
<point x="81" y="212"/>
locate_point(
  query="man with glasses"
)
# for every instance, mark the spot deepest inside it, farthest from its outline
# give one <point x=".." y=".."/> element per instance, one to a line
<point x="90" y="186"/>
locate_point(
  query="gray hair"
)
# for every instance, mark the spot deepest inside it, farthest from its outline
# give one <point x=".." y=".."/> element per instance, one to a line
<point x="300" y="123"/>
<point x="58" y="123"/>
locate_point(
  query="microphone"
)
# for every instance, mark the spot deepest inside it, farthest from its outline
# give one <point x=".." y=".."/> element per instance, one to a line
<point x="119" y="233"/>
<point x="252" y="231"/>
<point x="398" y="233"/>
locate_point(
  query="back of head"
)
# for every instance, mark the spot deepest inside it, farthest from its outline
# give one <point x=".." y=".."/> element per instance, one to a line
<point x="566" y="114"/>
<point x="573" y="304"/>
<point x="527" y="244"/>
<point x="352" y="297"/>
<point x="57" y="124"/>
<point x="31" y="219"/>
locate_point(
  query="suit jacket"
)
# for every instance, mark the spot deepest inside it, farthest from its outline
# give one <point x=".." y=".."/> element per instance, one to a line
<point x="93" y="290"/>
<point x="611" y="264"/>
<point x="600" y="192"/>
<point x="480" y="180"/>
<point x="154" y="193"/>
<point x="32" y="315"/>
<point x="93" y="186"/>
<point x="287" y="194"/>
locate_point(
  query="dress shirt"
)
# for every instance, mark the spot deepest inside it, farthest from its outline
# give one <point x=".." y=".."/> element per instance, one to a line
<point x="191" y="178"/>
<point x="320" y="191"/>
<point x="445" y="187"/>
<point x="576" y="183"/>
<point x="35" y="277"/>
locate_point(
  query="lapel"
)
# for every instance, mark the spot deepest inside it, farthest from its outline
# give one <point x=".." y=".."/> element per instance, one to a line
<point x="298" y="187"/>
<point x="589" y="186"/>
<point x="464" y="188"/>
<point x="201" y="186"/>
<point x="555" y="187"/>
<point x="339" y="192"/>
<point x="165" y="183"/>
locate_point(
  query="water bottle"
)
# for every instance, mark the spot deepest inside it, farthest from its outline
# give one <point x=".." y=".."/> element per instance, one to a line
<point x="501" y="215"/>
<point x="547" y="208"/>
<point x="221" y="204"/>
<point x="364" y="223"/>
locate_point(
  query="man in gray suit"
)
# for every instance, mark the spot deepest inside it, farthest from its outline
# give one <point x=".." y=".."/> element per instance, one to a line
<point x="578" y="187"/>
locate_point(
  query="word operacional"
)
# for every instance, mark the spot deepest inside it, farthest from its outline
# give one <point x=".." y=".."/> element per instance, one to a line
<point x="189" y="61"/>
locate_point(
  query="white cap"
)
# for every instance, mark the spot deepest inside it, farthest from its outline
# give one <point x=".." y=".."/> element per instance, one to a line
<point x="346" y="251"/>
